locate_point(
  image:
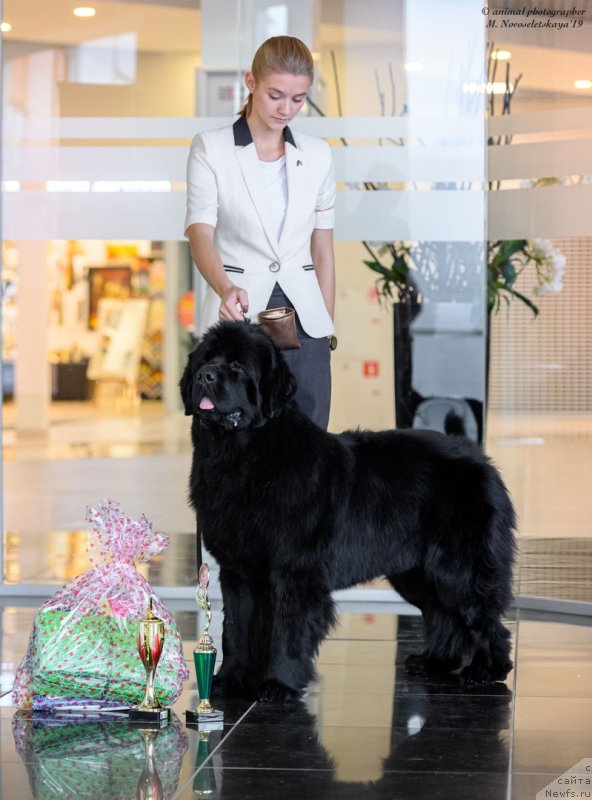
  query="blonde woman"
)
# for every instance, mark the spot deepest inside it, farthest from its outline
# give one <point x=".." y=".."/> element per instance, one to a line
<point x="260" y="216"/>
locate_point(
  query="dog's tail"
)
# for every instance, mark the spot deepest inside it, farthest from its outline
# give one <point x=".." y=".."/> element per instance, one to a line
<point x="454" y="425"/>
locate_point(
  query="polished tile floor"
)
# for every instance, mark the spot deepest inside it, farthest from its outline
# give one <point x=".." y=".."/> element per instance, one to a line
<point x="365" y="729"/>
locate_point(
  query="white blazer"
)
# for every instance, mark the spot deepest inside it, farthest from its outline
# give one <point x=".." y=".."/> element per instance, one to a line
<point x="225" y="189"/>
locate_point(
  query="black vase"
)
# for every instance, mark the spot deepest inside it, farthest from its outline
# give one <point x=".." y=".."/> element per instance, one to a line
<point x="406" y="398"/>
<point x="419" y="405"/>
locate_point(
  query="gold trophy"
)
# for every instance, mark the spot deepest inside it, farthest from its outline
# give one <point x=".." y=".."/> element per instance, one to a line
<point x="204" y="657"/>
<point x="150" y="643"/>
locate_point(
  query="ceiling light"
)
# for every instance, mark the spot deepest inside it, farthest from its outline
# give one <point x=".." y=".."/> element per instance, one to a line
<point x="583" y="83"/>
<point x="84" y="11"/>
<point x="413" y="66"/>
<point x="5" y="27"/>
<point x="501" y="55"/>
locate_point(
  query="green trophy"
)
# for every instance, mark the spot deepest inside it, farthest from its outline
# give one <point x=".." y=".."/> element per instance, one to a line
<point x="204" y="657"/>
<point x="150" y="643"/>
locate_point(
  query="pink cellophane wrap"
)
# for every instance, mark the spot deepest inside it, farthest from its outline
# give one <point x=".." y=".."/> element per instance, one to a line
<point x="83" y="642"/>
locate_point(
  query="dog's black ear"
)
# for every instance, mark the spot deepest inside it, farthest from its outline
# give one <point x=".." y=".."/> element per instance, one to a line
<point x="277" y="385"/>
<point x="186" y="382"/>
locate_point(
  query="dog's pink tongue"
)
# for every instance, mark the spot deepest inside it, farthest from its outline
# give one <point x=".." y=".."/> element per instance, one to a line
<point x="206" y="403"/>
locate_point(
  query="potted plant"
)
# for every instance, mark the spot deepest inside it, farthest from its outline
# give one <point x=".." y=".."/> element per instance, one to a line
<point x="412" y="276"/>
<point x="403" y="267"/>
<point x="507" y="260"/>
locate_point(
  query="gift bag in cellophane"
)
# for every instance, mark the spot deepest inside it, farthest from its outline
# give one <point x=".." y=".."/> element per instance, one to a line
<point x="84" y="639"/>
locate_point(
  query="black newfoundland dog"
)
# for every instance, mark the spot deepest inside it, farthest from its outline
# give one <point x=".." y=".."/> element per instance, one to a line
<point x="292" y="513"/>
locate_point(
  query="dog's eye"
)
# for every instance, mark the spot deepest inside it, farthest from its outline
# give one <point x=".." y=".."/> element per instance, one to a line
<point x="235" y="366"/>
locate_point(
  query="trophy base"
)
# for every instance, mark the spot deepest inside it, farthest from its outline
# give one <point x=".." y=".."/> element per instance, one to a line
<point x="212" y="720"/>
<point x="159" y="718"/>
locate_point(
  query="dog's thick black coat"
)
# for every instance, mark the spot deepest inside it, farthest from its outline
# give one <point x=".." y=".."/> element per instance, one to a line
<point x="292" y="513"/>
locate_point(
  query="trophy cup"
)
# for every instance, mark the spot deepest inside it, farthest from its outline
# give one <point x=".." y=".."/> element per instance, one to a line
<point x="150" y="642"/>
<point x="204" y="657"/>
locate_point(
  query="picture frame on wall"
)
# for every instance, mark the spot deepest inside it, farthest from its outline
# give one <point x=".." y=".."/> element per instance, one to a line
<point x="121" y="325"/>
<point x="110" y="282"/>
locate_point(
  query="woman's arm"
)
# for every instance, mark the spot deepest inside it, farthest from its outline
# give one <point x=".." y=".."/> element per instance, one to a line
<point x="323" y="258"/>
<point x="208" y="262"/>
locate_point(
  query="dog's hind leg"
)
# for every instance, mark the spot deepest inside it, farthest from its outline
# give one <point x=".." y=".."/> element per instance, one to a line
<point x="303" y="613"/>
<point x="442" y="641"/>
<point x="464" y="633"/>
<point x="490" y="593"/>
<point x="499" y="649"/>
<point x="488" y="587"/>
<point x="463" y="625"/>
<point x="447" y="641"/>
<point x="491" y="648"/>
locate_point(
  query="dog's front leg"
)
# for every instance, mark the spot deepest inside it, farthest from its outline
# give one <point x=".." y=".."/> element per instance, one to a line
<point x="302" y="613"/>
<point x="233" y="676"/>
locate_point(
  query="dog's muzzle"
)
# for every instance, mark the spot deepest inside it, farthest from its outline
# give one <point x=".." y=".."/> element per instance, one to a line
<point x="206" y="379"/>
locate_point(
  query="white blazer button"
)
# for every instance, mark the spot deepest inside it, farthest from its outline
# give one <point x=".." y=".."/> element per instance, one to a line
<point x="274" y="267"/>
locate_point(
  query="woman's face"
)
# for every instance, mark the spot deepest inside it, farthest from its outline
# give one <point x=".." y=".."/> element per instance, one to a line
<point x="277" y="98"/>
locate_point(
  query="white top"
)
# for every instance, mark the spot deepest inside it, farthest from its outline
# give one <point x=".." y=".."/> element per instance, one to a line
<point x="226" y="189"/>
<point x="276" y="184"/>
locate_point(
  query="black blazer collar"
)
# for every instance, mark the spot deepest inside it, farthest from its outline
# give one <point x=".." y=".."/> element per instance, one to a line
<point x="242" y="133"/>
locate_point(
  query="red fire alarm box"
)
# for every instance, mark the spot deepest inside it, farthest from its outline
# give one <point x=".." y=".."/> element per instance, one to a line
<point x="371" y="369"/>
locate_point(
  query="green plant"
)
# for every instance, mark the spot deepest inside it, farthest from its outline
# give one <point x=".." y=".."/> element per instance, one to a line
<point x="414" y="272"/>
<point x="507" y="260"/>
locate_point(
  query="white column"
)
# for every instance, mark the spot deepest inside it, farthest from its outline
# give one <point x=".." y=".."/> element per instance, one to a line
<point x="32" y="369"/>
<point x="174" y="253"/>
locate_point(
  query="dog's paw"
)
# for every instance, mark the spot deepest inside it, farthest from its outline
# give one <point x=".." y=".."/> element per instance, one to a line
<point x="273" y="692"/>
<point x="501" y="670"/>
<point x="231" y="686"/>
<point x="475" y="674"/>
<point x="426" y="666"/>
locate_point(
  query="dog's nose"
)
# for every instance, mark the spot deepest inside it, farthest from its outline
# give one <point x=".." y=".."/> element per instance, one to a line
<point x="206" y="375"/>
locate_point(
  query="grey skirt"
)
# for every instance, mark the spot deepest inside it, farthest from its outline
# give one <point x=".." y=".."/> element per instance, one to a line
<point x="310" y="365"/>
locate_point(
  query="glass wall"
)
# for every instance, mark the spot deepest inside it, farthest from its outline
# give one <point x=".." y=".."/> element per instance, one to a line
<point x="540" y="126"/>
<point x="98" y="113"/>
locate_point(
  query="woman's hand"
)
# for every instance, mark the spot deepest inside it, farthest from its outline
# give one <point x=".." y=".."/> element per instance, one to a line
<point x="234" y="305"/>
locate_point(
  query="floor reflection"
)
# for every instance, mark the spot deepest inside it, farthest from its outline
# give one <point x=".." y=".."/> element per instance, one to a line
<point x="98" y="757"/>
<point x="428" y="747"/>
<point x="366" y="729"/>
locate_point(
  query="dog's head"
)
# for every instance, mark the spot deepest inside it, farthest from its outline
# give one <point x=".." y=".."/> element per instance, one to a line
<point x="236" y="378"/>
